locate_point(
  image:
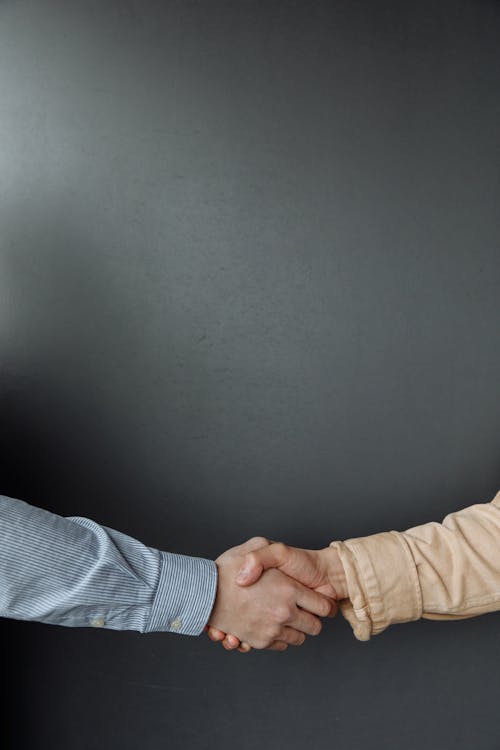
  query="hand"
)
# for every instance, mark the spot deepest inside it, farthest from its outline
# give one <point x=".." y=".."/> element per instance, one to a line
<point x="320" y="570"/>
<point x="274" y="613"/>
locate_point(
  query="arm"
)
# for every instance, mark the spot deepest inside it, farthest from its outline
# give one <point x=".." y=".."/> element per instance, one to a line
<point x="437" y="571"/>
<point x="74" y="572"/>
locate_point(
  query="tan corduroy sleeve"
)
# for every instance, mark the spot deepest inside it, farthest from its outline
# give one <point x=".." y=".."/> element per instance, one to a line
<point x="440" y="571"/>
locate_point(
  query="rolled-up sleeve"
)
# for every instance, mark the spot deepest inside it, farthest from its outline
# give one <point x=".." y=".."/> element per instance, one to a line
<point x="77" y="573"/>
<point x="439" y="571"/>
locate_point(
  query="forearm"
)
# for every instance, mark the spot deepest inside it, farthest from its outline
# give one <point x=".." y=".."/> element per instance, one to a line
<point x="437" y="571"/>
<point x="74" y="572"/>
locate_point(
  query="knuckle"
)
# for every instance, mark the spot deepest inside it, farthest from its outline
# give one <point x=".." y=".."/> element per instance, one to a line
<point x="258" y="645"/>
<point x="274" y="631"/>
<point x="280" y="548"/>
<point x="265" y="637"/>
<point x="258" y="540"/>
<point x="282" y="613"/>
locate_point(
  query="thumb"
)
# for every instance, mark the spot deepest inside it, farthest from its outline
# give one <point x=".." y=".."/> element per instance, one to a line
<point x="256" y="562"/>
<point x="255" y="542"/>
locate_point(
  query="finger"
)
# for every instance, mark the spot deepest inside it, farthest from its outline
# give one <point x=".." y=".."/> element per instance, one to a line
<point x="292" y="637"/>
<point x="215" y="634"/>
<point x="230" y="642"/>
<point x="278" y="646"/>
<point x="233" y="640"/>
<point x="305" y="622"/>
<point x="334" y="610"/>
<point x="257" y="561"/>
<point x="313" y="602"/>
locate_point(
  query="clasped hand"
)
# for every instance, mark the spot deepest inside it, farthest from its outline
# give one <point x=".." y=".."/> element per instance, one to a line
<point x="271" y="596"/>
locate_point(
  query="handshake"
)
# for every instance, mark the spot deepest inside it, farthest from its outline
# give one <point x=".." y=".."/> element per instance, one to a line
<point x="271" y="596"/>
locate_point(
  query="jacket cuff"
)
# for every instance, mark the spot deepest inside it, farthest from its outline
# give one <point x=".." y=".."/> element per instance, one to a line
<point x="382" y="582"/>
<point x="184" y="596"/>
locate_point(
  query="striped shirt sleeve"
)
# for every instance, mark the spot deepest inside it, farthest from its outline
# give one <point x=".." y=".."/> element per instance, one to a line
<point x="77" y="573"/>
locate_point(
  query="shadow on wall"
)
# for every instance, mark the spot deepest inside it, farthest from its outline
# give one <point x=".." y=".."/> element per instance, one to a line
<point x="98" y="404"/>
<point x="66" y="339"/>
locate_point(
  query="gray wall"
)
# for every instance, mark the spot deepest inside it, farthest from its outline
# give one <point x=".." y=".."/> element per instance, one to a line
<point x="249" y="284"/>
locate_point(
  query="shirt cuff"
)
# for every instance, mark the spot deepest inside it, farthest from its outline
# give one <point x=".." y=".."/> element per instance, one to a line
<point x="382" y="582"/>
<point x="184" y="596"/>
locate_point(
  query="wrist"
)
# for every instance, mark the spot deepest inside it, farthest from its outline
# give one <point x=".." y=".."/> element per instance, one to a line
<point x="219" y="606"/>
<point x="335" y="572"/>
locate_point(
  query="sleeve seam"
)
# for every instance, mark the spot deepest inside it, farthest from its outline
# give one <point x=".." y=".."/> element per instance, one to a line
<point x="413" y="573"/>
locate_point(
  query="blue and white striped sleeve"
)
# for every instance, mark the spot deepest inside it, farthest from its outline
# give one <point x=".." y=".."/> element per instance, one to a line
<point x="77" y="573"/>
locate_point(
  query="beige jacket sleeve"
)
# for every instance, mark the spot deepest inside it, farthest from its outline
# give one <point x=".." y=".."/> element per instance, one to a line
<point x="440" y="571"/>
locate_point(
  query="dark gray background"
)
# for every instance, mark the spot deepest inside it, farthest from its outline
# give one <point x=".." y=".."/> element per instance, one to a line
<point x="249" y="284"/>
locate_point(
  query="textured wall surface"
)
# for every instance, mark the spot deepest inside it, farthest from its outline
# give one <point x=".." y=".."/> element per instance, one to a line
<point x="250" y="284"/>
